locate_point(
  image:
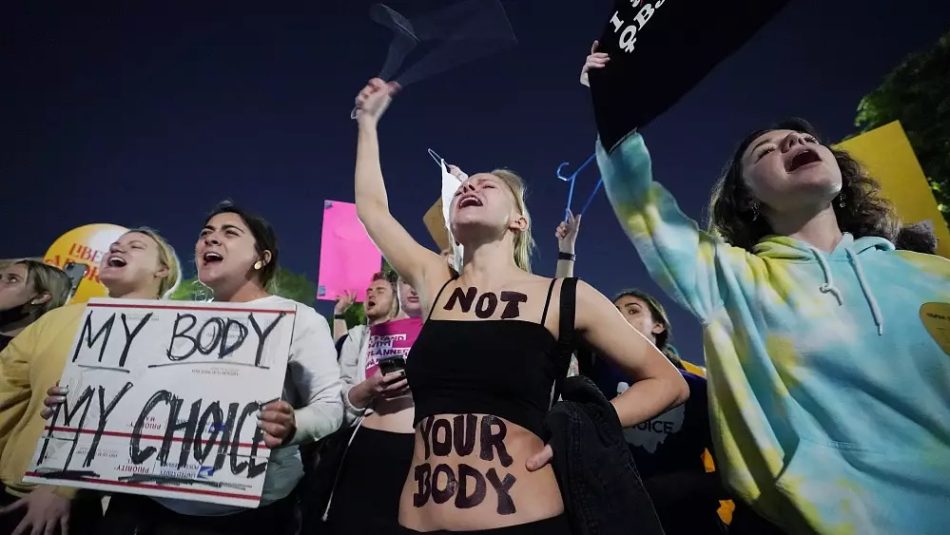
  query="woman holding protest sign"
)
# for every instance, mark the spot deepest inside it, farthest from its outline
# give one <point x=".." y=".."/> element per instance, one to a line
<point x="487" y="359"/>
<point x="795" y="287"/>
<point x="28" y="289"/>
<point x="139" y="265"/>
<point x="236" y="256"/>
<point x="375" y="463"/>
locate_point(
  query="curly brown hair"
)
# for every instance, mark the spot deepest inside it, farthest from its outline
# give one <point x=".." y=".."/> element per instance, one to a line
<point x="865" y="212"/>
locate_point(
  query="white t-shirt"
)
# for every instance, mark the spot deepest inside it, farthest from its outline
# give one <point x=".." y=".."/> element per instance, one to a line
<point x="312" y="387"/>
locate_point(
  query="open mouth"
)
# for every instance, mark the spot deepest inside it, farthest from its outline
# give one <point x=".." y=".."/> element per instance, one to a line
<point x="116" y="262"/>
<point x="211" y="257"/>
<point x="469" y="200"/>
<point x="370" y="304"/>
<point x="802" y="159"/>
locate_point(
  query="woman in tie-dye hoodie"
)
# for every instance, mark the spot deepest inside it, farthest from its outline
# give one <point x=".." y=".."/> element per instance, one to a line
<point x="828" y="351"/>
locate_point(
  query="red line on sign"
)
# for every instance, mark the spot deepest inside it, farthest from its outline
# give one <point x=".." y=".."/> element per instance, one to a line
<point x="161" y="487"/>
<point x="178" y="307"/>
<point x="147" y="437"/>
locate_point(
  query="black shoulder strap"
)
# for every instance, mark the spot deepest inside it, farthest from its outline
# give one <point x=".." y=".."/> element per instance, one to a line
<point x="547" y="302"/>
<point x="567" y="336"/>
<point x="437" y="296"/>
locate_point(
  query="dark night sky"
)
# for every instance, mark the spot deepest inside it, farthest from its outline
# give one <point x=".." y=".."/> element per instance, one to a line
<point x="150" y="113"/>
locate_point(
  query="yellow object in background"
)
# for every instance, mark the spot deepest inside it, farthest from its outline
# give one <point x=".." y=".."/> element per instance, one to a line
<point x="889" y="158"/>
<point x="85" y="245"/>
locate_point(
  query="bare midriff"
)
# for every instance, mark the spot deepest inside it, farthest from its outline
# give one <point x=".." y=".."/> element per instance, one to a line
<point x="469" y="472"/>
<point x="391" y="415"/>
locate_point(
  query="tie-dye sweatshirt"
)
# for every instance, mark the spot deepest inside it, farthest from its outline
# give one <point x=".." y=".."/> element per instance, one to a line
<point x="829" y="373"/>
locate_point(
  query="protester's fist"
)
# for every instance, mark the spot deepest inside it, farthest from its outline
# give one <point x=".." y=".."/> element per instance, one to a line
<point x="596" y="60"/>
<point x="278" y="422"/>
<point x="344" y="302"/>
<point x="566" y="233"/>
<point x="373" y="100"/>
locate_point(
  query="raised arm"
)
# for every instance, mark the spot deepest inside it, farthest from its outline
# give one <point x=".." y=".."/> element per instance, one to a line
<point x="410" y="259"/>
<point x="657" y="387"/>
<point x="679" y="256"/>
<point x="343" y="303"/>
<point x="566" y="234"/>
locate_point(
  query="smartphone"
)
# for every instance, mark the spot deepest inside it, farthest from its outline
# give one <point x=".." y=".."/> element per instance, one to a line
<point x="75" y="271"/>
<point x="393" y="364"/>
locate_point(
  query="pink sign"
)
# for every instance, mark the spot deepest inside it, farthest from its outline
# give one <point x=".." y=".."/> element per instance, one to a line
<point x="348" y="258"/>
<point x="391" y="340"/>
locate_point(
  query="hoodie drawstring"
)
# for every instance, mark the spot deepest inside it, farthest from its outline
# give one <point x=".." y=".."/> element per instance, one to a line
<point x="829" y="285"/>
<point x="872" y="302"/>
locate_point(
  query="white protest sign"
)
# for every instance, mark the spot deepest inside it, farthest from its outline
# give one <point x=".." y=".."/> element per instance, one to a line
<point x="163" y="399"/>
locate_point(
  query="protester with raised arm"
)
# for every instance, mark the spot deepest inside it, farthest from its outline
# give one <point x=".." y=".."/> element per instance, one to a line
<point x="376" y="461"/>
<point x="828" y="372"/>
<point x="236" y="255"/>
<point x="484" y="367"/>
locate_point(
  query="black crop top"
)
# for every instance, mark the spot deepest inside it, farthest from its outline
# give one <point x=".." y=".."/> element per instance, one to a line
<point x="506" y="368"/>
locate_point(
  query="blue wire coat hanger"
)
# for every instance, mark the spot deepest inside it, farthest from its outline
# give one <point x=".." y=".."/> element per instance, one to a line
<point x="572" y="178"/>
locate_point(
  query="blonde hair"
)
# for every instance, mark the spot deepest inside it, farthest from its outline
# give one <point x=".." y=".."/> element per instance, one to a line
<point x="524" y="243"/>
<point x="168" y="259"/>
<point x="46" y="279"/>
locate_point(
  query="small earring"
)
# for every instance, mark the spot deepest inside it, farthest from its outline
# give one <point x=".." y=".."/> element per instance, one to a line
<point x="258" y="265"/>
<point x="841" y="203"/>
<point x="754" y="206"/>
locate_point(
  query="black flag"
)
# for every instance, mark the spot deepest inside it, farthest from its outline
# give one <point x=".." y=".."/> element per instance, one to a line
<point x="659" y="50"/>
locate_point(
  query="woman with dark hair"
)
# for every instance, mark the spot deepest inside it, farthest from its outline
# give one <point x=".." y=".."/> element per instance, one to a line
<point x="236" y="256"/>
<point x="672" y="449"/>
<point x="28" y="289"/>
<point x="484" y="368"/>
<point x="828" y="371"/>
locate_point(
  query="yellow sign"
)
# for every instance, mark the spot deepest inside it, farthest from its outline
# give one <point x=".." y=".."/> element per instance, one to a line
<point x="936" y="318"/>
<point x="886" y="153"/>
<point x="87" y="244"/>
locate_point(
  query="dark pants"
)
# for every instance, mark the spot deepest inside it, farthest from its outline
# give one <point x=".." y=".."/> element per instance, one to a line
<point x="366" y="499"/>
<point x="129" y="514"/>
<point x="84" y="515"/>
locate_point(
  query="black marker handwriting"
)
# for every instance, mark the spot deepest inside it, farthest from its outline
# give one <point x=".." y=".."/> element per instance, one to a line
<point x="442" y="437"/>
<point x="487" y="303"/>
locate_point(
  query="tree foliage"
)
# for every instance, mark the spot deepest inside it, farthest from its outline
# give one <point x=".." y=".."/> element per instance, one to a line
<point x="917" y="93"/>
<point x="286" y="284"/>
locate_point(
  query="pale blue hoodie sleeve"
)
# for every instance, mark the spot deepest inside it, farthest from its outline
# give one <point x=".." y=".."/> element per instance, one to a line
<point x="680" y="257"/>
